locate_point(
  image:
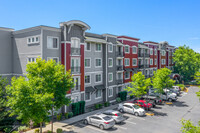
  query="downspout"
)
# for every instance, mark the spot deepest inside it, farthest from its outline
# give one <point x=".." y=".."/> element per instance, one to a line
<point x="106" y="73"/>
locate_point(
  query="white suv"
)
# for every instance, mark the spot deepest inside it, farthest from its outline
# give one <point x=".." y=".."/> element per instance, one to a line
<point x="131" y="108"/>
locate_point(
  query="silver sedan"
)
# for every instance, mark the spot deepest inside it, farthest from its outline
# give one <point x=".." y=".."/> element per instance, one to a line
<point x="116" y="115"/>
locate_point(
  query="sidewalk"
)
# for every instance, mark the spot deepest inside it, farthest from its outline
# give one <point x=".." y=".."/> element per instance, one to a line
<point x="66" y="124"/>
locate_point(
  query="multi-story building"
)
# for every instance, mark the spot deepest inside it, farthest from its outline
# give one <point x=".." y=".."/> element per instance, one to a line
<point x="101" y="65"/>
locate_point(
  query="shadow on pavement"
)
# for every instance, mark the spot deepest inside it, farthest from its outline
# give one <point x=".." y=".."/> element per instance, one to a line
<point x="178" y="104"/>
<point x="157" y="113"/>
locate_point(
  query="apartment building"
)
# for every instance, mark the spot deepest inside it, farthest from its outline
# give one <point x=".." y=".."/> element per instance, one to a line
<point x="101" y="65"/>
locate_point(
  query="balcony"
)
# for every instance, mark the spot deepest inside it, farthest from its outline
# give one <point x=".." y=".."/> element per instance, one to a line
<point x="119" y="81"/>
<point x="76" y="88"/>
<point x="140" y="66"/>
<point x="75" y="70"/>
<point x="140" y="54"/>
<point x="146" y="55"/>
<point x="119" y="67"/>
<point x="119" y="54"/>
<point x="146" y="65"/>
<point x="75" y="51"/>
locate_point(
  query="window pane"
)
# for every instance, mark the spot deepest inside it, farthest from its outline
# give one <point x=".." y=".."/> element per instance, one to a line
<point x="50" y="43"/>
<point x="55" y="42"/>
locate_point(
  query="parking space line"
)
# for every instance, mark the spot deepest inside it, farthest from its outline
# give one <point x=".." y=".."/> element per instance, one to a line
<point x="120" y="127"/>
<point x="130" y="122"/>
<point x="94" y="128"/>
<point x="134" y="117"/>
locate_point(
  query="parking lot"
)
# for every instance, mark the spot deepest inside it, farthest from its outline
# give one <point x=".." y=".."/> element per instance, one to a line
<point x="166" y="118"/>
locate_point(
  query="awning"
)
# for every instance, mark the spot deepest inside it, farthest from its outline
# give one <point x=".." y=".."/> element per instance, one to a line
<point x="91" y="39"/>
<point x="128" y="69"/>
<point x="99" y="87"/>
<point x="89" y="89"/>
<point x="119" y="43"/>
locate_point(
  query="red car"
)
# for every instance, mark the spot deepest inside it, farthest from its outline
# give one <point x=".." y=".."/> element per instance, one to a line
<point x="143" y="104"/>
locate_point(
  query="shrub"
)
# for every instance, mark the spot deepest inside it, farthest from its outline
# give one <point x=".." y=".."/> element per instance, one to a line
<point x="70" y="114"/>
<point x="15" y="132"/>
<point x="49" y="131"/>
<point x="37" y="130"/>
<point x="123" y="95"/>
<point x="66" y="115"/>
<point x="22" y="128"/>
<point x="59" y="116"/>
<point x="100" y="106"/>
<point x="7" y="130"/>
<point x="106" y="104"/>
<point x="59" y="130"/>
<point x="78" y="108"/>
<point x="96" y="106"/>
<point x="131" y="97"/>
<point x="118" y="99"/>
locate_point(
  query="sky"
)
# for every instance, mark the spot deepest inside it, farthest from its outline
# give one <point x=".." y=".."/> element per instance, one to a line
<point x="175" y="21"/>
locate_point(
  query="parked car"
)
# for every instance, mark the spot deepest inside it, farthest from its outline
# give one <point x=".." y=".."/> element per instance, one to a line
<point x="131" y="108"/>
<point x="100" y="120"/>
<point x="176" y="88"/>
<point x="166" y="96"/>
<point x="143" y="104"/>
<point x="177" y="92"/>
<point x="152" y="99"/>
<point x="116" y="115"/>
<point x="169" y="91"/>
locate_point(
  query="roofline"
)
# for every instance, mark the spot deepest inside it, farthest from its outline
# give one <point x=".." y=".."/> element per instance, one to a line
<point x="150" y="42"/>
<point x="128" y="37"/>
<point x="110" y="35"/>
<point x="75" y="22"/>
<point x="6" y="29"/>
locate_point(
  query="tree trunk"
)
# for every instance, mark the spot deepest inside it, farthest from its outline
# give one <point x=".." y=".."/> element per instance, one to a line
<point x="40" y="127"/>
<point x="52" y="120"/>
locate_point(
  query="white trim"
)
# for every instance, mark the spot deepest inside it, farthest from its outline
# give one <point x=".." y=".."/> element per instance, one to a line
<point x="96" y="95"/>
<point x="90" y="97"/>
<point x="155" y="62"/>
<point x="49" y="58"/>
<point x="95" y="63"/>
<point x="66" y="42"/>
<point x="94" y="72"/>
<point x="136" y="61"/>
<point x="109" y="77"/>
<point x="112" y="91"/>
<point x="110" y="44"/>
<point x="112" y="62"/>
<point x="31" y="57"/>
<point x="151" y="50"/>
<point x="12" y="74"/>
<point x="150" y="62"/>
<point x="101" y="78"/>
<point x="96" y="47"/>
<point x="125" y="76"/>
<point x="126" y="39"/>
<point x="136" y="50"/>
<point x="125" y="49"/>
<point x="76" y="38"/>
<point x="125" y="61"/>
<point x="90" y="62"/>
<point x="155" y="51"/>
<point x="31" y="37"/>
<point x="90" y="78"/>
<point x="57" y="42"/>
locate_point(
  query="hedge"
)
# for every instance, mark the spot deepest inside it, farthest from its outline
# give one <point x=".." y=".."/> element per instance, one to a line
<point x="123" y="95"/>
<point x="78" y="108"/>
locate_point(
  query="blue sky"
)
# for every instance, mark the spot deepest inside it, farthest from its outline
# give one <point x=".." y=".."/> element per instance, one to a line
<point x="175" y="21"/>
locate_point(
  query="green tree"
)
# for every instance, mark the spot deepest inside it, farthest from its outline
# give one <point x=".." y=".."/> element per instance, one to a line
<point x="5" y="120"/>
<point x="44" y="87"/>
<point x="161" y="80"/>
<point x="139" y="85"/>
<point x="197" y="77"/>
<point x="189" y="127"/>
<point x="187" y="62"/>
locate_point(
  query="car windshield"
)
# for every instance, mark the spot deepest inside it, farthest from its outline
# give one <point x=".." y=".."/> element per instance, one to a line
<point x="136" y="107"/>
<point x="106" y="118"/>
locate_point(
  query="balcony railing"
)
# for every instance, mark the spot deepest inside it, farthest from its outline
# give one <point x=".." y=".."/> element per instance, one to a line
<point x="146" y="55"/>
<point x="75" y="51"/>
<point x="141" y="66"/>
<point x="146" y="65"/>
<point x="75" y="70"/>
<point x="76" y="88"/>
<point x="119" y="81"/>
<point x="119" y="54"/>
<point x="119" y="68"/>
<point x="140" y="54"/>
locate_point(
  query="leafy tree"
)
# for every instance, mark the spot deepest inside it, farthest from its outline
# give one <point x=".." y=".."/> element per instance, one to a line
<point x="139" y="85"/>
<point x="189" y="127"/>
<point x="44" y="87"/>
<point x="187" y="62"/>
<point x="197" y="77"/>
<point x="161" y="80"/>
<point x="5" y="120"/>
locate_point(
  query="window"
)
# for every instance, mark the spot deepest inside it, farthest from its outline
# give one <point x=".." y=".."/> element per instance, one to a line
<point x="146" y="61"/>
<point x="87" y="79"/>
<point x="127" y="50"/>
<point x="163" y="53"/>
<point x="110" y="48"/>
<point x="155" y="61"/>
<point x="110" y="77"/>
<point x="52" y="42"/>
<point x="53" y="58"/>
<point x="33" y="40"/>
<point x="134" y="61"/>
<point x="110" y="62"/>
<point x="155" y="52"/>
<point x="151" y="72"/>
<point x="98" y="47"/>
<point x="169" y="61"/>
<point x="98" y="63"/>
<point x="151" y="51"/>
<point x="74" y="99"/>
<point x="127" y="75"/>
<point x="151" y="61"/>
<point x="31" y="59"/>
<point x="87" y="63"/>
<point x="75" y="42"/>
<point x="98" y="78"/>
<point x="127" y="62"/>
<point x="98" y="93"/>
<point x="87" y="96"/>
<point x="134" y="50"/>
<point x="163" y="61"/>
<point x="110" y="92"/>
<point x="88" y="47"/>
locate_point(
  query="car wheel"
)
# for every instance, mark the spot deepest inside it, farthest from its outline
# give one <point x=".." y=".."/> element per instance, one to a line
<point x="85" y="122"/>
<point x="101" y="127"/>
<point x="136" y="114"/>
<point x="170" y="100"/>
<point x="121" y="110"/>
